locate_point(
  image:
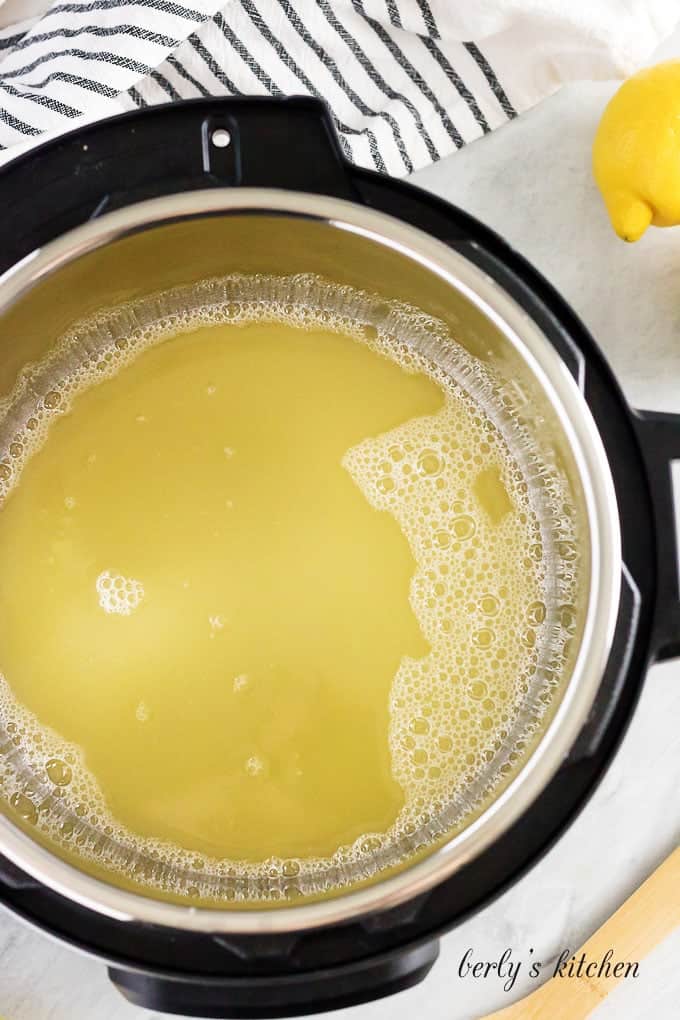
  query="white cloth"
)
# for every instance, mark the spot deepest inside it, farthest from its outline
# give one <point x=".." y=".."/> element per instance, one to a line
<point x="408" y="81"/>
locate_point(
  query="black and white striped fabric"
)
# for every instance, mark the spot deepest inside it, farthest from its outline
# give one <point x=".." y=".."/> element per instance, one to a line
<point x="404" y="82"/>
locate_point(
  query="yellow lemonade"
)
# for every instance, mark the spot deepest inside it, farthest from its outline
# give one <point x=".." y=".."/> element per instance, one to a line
<point x="272" y="595"/>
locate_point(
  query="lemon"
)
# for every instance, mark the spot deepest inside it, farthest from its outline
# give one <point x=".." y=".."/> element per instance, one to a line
<point x="636" y="153"/>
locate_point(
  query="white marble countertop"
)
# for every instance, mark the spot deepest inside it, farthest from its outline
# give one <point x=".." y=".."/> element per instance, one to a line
<point x="531" y="182"/>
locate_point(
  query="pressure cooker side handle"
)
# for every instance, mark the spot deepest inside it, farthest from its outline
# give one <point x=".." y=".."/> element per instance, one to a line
<point x="203" y="143"/>
<point x="659" y="437"/>
<point x="294" y="993"/>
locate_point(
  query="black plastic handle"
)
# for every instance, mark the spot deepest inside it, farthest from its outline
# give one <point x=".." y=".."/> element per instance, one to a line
<point x="659" y="435"/>
<point x="281" y="995"/>
<point x="270" y="143"/>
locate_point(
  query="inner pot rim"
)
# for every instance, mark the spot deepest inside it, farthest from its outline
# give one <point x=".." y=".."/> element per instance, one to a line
<point x="566" y="398"/>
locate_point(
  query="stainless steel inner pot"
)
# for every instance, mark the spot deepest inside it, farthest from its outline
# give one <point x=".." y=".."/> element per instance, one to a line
<point x="183" y="239"/>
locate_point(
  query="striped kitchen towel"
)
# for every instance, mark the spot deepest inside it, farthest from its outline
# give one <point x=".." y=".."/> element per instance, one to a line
<point x="408" y="81"/>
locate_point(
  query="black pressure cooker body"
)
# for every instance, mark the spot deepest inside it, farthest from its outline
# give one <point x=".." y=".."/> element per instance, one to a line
<point x="291" y="144"/>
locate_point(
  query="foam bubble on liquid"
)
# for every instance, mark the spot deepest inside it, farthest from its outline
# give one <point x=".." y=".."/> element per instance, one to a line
<point x="117" y="593"/>
<point x="450" y="711"/>
<point x="255" y="765"/>
<point x="142" y="713"/>
<point x="494" y="596"/>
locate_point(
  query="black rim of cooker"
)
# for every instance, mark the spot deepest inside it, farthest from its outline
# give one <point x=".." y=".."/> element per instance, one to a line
<point x="291" y="144"/>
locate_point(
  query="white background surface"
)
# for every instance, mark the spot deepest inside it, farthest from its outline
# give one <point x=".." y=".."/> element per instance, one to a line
<point x="530" y="181"/>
